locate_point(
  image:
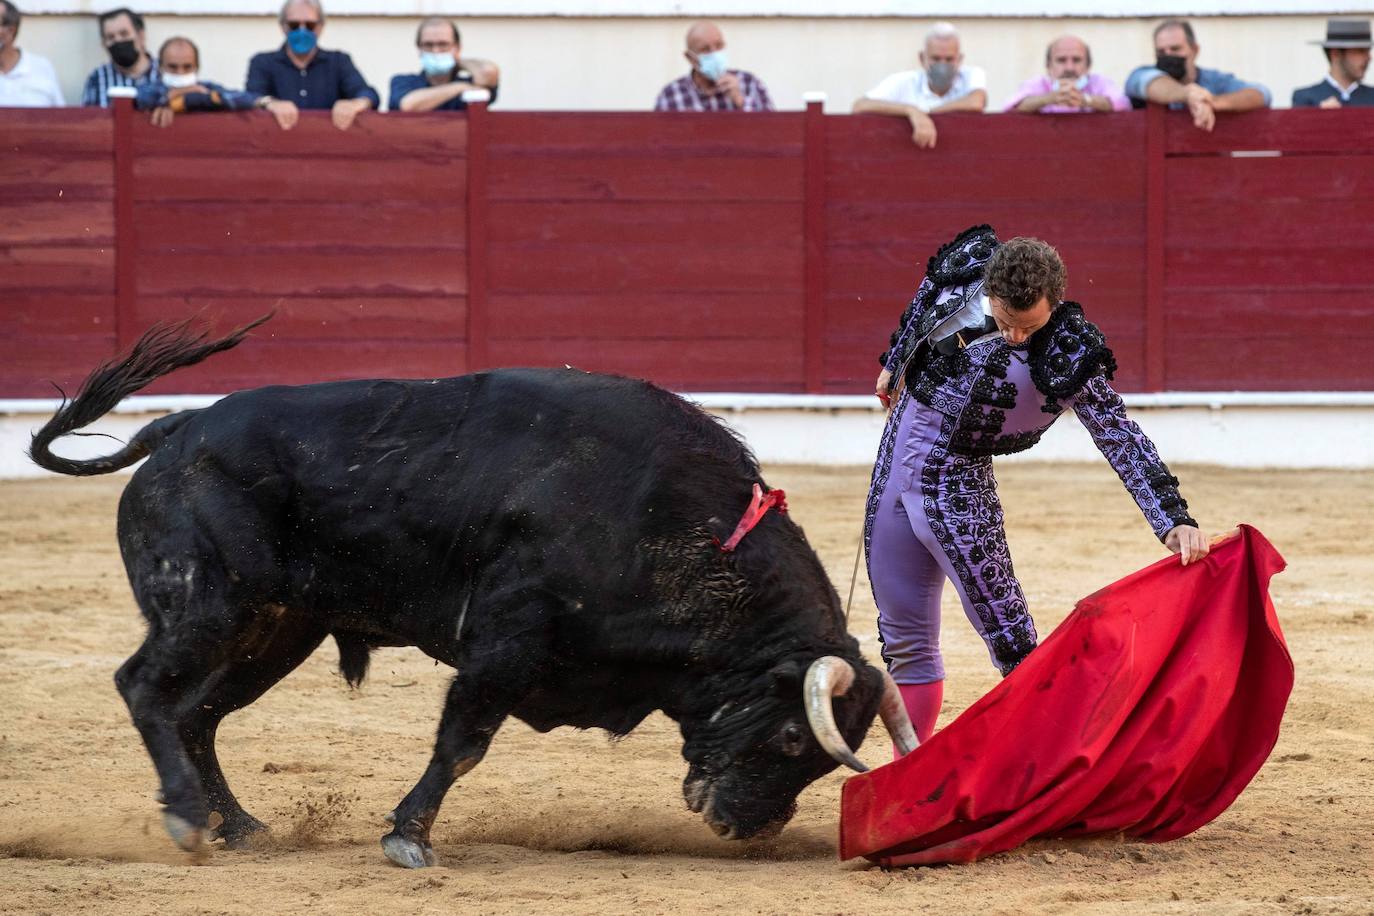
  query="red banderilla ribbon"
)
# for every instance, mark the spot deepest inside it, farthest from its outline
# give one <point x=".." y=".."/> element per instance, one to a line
<point x="758" y="506"/>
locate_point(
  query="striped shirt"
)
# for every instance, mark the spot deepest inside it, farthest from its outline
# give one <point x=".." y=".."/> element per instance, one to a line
<point x="97" y="90"/>
<point x="684" y="95"/>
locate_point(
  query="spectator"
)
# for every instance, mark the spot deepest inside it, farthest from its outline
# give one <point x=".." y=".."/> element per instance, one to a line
<point x="305" y="75"/>
<point x="121" y="31"/>
<point x="27" y="80"/>
<point x="181" y="89"/>
<point x="1347" y="55"/>
<point x="943" y="85"/>
<point x="1175" y="79"/>
<point x="1068" y="86"/>
<point x="712" y="85"/>
<point x="444" y="75"/>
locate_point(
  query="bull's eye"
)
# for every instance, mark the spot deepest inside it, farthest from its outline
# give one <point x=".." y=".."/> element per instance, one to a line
<point x="793" y="739"/>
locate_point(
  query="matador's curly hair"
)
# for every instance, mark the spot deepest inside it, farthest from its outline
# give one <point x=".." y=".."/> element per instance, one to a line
<point x="1022" y="270"/>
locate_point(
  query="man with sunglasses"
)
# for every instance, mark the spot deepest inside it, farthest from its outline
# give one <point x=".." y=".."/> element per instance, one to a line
<point x="307" y="76"/>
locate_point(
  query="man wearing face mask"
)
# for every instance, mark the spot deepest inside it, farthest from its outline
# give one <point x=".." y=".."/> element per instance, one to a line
<point x="1347" y="49"/>
<point x="444" y="74"/>
<point x="121" y="31"/>
<point x="27" y="80"/>
<point x="712" y="85"/>
<point x="942" y="85"/>
<point x="1176" y="80"/>
<point x="1067" y="86"/>
<point x="182" y="90"/>
<point x="305" y="75"/>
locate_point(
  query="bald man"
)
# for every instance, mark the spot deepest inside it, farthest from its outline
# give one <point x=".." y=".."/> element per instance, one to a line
<point x="712" y="85"/>
<point x="1068" y="86"/>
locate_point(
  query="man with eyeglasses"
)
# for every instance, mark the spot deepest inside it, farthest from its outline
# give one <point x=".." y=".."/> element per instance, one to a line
<point x="307" y="76"/>
<point x="444" y="74"/>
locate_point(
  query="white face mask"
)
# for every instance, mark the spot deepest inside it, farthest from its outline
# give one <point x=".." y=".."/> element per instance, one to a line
<point x="180" y="80"/>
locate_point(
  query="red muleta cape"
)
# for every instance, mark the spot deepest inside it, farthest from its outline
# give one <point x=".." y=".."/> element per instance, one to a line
<point x="1146" y="712"/>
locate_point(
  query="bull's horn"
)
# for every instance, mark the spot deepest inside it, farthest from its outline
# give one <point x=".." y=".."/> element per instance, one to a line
<point x="894" y="715"/>
<point x="827" y="678"/>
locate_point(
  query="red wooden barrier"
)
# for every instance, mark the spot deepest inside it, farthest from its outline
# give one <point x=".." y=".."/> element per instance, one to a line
<point x="706" y="252"/>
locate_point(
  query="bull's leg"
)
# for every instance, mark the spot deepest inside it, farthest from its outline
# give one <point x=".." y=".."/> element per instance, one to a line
<point x="473" y="711"/>
<point x="235" y="686"/>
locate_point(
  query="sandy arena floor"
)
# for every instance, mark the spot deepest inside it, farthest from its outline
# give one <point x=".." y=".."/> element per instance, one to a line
<point x="571" y="822"/>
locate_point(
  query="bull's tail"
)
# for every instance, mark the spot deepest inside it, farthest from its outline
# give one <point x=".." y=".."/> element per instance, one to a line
<point x="162" y="349"/>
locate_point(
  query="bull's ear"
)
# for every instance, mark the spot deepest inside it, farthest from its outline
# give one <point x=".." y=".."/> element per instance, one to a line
<point x="786" y="678"/>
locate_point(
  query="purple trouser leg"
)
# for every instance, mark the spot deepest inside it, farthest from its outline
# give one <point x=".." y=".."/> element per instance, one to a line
<point x="939" y="518"/>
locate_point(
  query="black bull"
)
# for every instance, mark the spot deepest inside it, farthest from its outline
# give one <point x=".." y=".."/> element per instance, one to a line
<point x="551" y="534"/>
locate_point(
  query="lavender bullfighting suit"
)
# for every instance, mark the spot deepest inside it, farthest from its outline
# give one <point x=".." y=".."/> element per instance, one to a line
<point x="933" y="511"/>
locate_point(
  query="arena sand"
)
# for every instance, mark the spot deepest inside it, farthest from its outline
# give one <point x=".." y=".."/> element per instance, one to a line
<point x="572" y="822"/>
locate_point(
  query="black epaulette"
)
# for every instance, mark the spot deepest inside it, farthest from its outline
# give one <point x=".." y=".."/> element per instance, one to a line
<point x="1067" y="352"/>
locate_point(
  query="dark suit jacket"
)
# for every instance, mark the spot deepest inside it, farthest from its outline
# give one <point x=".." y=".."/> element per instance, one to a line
<point x="1312" y="96"/>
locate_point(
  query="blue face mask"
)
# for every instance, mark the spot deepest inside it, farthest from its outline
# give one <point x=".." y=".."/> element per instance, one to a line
<point x="435" y="63"/>
<point x="712" y="65"/>
<point x="300" y="41"/>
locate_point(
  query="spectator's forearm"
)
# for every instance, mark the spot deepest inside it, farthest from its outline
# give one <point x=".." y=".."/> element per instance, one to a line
<point x="1241" y="100"/>
<point x="431" y="97"/>
<point x="873" y="106"/>
<point x="1033" y="103"/>
<point x="1166" y="89"/>
<point x="976" y="100"/>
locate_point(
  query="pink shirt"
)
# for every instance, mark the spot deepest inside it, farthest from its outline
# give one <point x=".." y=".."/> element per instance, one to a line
<point x="1097" y="85"/>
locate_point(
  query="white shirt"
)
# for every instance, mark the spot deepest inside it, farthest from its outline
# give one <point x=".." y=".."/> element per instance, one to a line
<point x="31" y="84"/>
<point x="911" y="87"/>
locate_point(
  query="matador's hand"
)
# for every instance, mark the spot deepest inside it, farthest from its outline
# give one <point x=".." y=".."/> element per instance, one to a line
<point x="881" y="388"/>
<point x="1188" y="542"/>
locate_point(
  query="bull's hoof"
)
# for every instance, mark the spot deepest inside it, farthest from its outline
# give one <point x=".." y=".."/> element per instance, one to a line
<point x="185" y="834"/>
<point x="408" y="853"/>
<point x="239" y="832"/>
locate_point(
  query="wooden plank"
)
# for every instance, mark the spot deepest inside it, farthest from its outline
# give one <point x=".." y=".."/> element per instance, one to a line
<point x="57" y="269"/>
<point x="1238" y="361"/>
<point x="419" y="272"/>
<point x="61" y="221"/>
<point x="31" y="365"/>
<point x="56" y="180"/>
<point x="643" y="268"/>
<point x="1252" y="266"/>
<point x="676" y="135"/>
<point x="976" y="178"/>
<point x="1018" y="138"/>
<point x="1303" y="131"/>
<point x="815" y="207"/>
<point x="682" y="222"/>
<point x="1156" y="229"/>
<point x="232" y="228"/>
<point x="654" y="315"/>
<point x="649" y="178"/>
<point x="307" y="180"/>
<point x="1299" y="179"/>
<point x="438" y="136"/>
<point x="260" y="361"/>
<point x="126" y="230"/>
<point x="54" y="133"/>
<point x="34" y="313"/>
<point x="479" y="248"/>
<point x="374" y="318"/>
<point x="1288" y="221"/>
<point x="771" y="364"/>
<point x="927" y="224"/>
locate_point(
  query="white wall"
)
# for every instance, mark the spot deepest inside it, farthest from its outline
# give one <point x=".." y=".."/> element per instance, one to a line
<point x="588" y="62"/>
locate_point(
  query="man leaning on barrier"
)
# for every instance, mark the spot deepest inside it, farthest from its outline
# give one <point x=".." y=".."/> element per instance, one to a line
<point x="1068" y="86"/>
<point x="181" y="89"/>
<point x="943" y="84"/>
<point x="712" y="85"/>
<point x="27" y="80"/>
<point x="444" y="73"/>
<point x="305" y="75"/>
<point x="1175" y="79"/>
<point x="1346" y="48"/>
<point x="122" y="34"/>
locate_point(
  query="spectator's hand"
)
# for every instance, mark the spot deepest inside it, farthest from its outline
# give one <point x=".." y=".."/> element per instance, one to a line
<point x="1188" y="542"/>
<point x="285" y="113"/>
<point x="162" y="116"/>
<point x="1199" y="103"/>
<point x="880" y="388"/>
<point x="1074" y="99"/>
<point x="922" y="129"/>
<point x="345" y="110"/>
<point x="1332" y="102"/>
<point x="178" y="93"/>
<point x="728" y="84"/>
